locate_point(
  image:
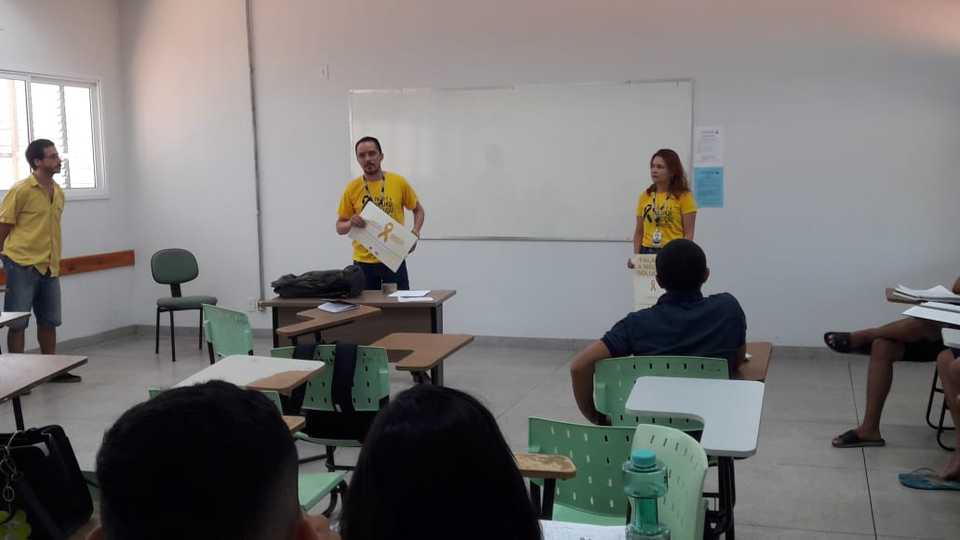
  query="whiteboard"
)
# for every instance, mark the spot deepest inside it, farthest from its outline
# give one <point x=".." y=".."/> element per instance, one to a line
<point x="550" y="162"/>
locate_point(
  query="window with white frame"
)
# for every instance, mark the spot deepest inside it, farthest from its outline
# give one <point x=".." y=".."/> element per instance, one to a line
<point x="64" y="111"/>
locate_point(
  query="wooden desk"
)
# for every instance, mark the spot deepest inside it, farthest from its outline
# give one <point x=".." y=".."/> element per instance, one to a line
<point x="294" y="423"/>
<point x="757" y="364"/>
<point x="318" y="320"/>
<point x="8" y="317"/>
<point x="549" y="468"/>
<point x="423" y="317"/>
<point x="282" y="375"/>
<point x="420" y="353"/>
<point x="730" y="412"/>
<point x="22" y="372"/>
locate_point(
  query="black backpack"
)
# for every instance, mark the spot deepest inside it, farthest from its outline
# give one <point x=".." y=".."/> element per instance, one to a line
<point x="346" y="283"/>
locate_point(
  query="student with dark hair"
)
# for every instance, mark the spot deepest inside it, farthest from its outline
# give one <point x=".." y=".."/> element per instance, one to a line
<point x="683" y="322"/>
<point x="666" y="210"/>
<point x="210" y="461"/>
<point x="392" y="193"/>
<point x="435" y="466"/>
<point x="30" y="237"/>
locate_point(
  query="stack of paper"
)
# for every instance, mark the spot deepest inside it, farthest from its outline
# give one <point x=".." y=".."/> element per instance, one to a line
<point x="336" y="307"/>
<point x="938" y="294"/>
<point x="409" y="294"/>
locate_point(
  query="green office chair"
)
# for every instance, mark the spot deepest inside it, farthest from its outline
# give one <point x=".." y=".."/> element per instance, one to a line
<point x="174" y="267"/>
<point x="228" y="332"/>
<point x="311" y="487"/>
<point x="371" y="392"/>
<point x="595" y="495"/>
<point x="683" y="508"/>
<point x="613" y="380"/>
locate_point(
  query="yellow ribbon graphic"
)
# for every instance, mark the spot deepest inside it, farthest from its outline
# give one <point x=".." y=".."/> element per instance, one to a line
<point x="385" y="234"/>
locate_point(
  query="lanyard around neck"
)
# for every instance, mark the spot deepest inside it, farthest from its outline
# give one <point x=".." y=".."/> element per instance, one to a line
<point x="383" y="189"/>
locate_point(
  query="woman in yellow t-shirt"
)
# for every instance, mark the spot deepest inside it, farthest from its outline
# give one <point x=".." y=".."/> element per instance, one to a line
<point x="666" y="210"/>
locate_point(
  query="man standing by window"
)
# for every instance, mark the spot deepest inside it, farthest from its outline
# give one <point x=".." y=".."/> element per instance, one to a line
<point x="30" y="238"/>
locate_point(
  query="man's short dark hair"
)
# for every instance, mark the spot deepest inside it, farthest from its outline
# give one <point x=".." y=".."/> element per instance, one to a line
<point x="681" y="266"/>
<point x="367" y="139"/>
<point x="37" y="150"/>
<point x="205" y="461"/>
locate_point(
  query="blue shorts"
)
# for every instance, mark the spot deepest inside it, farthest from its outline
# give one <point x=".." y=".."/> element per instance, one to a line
<point x="28" y="289"/>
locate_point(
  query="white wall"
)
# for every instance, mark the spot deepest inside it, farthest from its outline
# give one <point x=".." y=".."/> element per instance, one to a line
<point x="842" y="117"/>
<point x="81" y="39"/>
<point x="191" y="146"/>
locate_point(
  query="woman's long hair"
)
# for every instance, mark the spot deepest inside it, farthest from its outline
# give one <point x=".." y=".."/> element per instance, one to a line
<point x="678" y="177"/>
<point x="435" y="466"/>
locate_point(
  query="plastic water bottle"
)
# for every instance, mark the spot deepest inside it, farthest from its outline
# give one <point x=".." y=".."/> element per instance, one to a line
<point x="644" y="482"/>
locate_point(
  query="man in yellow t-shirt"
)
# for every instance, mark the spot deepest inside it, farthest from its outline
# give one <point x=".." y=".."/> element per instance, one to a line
<point x="30" y="236"/>
<point x="392" y="194"/>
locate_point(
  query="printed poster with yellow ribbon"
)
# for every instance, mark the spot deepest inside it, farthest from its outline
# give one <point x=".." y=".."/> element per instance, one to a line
<point x="383" y="236"/>
<point x="646" y="291"/>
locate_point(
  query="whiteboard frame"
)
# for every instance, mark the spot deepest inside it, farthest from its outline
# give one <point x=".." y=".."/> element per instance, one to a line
<point x="520" y="238"/>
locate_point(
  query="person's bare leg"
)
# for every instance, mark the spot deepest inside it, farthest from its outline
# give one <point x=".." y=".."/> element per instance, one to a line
<point x="47" y="337"/>
<point x="883" y="354"/>
<point x="16" y="340"/>
<point x="905" y="331"/>
<point x="948" y="366"/>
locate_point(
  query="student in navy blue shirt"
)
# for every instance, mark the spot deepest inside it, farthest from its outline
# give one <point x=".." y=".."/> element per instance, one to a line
<point x="682" y="323"/>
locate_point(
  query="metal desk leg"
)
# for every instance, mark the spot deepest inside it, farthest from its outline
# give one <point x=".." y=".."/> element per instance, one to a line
<point x="18" y="413"/>
<point x="436" y="319"/>
<point x="436" y="374"/>
<point x="535" y="498"/>
<point x="276" y="324"/>
<point x="549" y="493"/>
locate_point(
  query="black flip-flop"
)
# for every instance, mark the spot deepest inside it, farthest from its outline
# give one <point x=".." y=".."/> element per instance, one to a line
<point x="840" y="342"/>
<point x="850" y="439"/>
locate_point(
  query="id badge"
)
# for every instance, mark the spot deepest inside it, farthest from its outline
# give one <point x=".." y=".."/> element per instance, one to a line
<point x="657" y="238"/>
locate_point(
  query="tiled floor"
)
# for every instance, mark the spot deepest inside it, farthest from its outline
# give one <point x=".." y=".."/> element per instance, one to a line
<point x="797" y="487"/>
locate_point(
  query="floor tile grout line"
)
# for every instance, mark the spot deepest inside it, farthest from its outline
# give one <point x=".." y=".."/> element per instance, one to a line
<point x="863" y="454"/>
<point x="784" y="528"/>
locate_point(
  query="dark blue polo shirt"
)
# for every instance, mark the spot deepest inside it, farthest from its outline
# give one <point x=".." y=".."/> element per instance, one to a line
<point x="682" y="324"/>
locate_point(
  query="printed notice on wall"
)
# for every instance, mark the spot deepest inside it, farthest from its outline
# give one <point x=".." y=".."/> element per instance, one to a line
<point x="708" y="172"/>
<point x="708" y="186"/>
<point x="707" y="146"/>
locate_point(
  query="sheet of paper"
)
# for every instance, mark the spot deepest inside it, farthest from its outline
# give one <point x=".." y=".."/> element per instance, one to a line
<point x="940" y="305"/>
<point x="708" y="186"/>
<point x="939" y="292"/>
<point x="646" y="291"/>
<point x="708" y="146"/>
<point x="951" y="337"/>
<point x="336" y="307"/>
<point x="404" y="299"/>
<point x="936" y="315"/>
<point x="561" y="530"/>
<point x="409" y="294"/>
<point x="383" y="236"/>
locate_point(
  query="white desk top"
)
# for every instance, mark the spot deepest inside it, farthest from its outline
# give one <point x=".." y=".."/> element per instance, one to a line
<point x="257" y="372"/>
<point x="8" y="317"/>
<point x="730" y="410"/>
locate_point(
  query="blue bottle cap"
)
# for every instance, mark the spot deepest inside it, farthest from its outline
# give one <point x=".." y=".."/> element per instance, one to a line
<point x="643" y="458"/>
